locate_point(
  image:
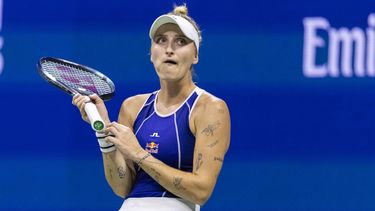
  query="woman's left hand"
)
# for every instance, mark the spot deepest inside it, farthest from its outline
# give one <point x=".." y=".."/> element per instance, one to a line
<point x="124" y="140"/>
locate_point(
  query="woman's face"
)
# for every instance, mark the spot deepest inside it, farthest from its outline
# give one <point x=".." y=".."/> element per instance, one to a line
<point x="172" y="53"/>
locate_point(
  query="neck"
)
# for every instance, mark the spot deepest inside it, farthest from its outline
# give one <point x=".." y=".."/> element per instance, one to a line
<point x="171" y="94"/>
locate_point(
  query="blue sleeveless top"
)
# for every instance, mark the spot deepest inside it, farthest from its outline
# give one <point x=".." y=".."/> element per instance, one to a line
<point x="168" y="138"/>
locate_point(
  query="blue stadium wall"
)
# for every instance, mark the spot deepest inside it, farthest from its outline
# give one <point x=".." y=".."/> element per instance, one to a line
<point x="298" y="77"/>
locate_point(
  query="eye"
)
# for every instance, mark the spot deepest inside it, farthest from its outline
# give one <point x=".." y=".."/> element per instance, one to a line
<point x="181" y="41"/>
<point x="160" y="39"/>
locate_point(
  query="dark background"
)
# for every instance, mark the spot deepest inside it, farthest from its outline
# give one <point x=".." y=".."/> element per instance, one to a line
<point x="297" y="143"/>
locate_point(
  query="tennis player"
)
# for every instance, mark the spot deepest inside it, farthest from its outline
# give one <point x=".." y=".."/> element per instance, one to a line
<point x="167" y="148"/>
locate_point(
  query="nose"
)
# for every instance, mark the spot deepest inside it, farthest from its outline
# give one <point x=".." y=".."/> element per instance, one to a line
<point x="169" y="49"/>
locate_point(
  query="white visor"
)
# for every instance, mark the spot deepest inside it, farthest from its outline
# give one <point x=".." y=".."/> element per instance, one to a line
<point x="186" y="27"/>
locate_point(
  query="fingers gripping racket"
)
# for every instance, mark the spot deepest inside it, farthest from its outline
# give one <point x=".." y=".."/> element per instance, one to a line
<point x="74" y="79"/>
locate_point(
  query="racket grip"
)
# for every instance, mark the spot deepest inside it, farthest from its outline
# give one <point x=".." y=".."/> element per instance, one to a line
<point x="96" y="121"/>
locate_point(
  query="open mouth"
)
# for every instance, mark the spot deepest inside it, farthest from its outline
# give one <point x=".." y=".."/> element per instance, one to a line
<point x="170" y="62"/>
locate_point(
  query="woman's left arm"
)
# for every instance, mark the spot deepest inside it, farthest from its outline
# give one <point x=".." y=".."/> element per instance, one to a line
<point x="212" y="132"/>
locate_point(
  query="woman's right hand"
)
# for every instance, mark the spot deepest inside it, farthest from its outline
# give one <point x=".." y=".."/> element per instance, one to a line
<point x="80" y="101"/>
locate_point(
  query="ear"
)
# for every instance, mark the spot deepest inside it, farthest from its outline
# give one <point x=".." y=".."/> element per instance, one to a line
<point x="150" y="57"/>
<point x="196" y="59"/>
<point x="149" y="53"/>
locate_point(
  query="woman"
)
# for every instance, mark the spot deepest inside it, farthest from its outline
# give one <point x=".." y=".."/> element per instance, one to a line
<point x="167" y="148"/>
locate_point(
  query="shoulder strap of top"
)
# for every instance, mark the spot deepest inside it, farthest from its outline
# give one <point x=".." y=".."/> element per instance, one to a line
<point x="192" y="101"/>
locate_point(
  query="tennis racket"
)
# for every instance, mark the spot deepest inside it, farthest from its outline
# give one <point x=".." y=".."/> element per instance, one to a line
<point x="74" y="79"/>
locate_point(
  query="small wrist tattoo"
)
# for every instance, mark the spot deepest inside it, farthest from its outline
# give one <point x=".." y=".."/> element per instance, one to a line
<point x="143" y="158"/>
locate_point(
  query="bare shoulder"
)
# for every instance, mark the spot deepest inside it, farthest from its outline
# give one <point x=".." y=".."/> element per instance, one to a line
<point x="208" y="108"/>
<point x="135" y="101"/>
<point x="210" y="103"/>
<point x="130" y="108"/>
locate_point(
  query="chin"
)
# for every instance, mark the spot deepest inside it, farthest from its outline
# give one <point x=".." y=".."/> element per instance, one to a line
<point x="169" y="79"/>
<point x="168" y="75"/>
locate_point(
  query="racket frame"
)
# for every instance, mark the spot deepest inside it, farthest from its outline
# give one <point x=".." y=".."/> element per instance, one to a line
<point x="59" y="84"/>
<point x="96" y="121"/>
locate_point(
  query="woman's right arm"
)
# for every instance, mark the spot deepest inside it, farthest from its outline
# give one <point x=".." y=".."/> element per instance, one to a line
<point x="119" y="173"/>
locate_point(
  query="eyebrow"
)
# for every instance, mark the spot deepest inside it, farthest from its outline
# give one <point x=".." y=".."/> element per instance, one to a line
<point x="177" y="36"/>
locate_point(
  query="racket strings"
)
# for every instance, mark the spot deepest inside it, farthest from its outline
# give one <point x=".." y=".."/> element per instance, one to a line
<point x="77" y="79"/>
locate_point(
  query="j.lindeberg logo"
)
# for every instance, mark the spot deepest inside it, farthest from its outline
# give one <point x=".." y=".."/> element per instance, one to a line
<point x="331" y="52"/>
<point x="155" y="135"/>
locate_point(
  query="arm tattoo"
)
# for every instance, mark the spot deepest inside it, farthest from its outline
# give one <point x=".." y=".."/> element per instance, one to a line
<point x="156" y="175"/>
<point x="177" y="183"/>
<point x="110" y="173"/>
<point x="213" y="144"/>
<point x="218" y="159"/>
<point x="199" y="161"/>
<point x="121" y="172"/>
<point x="209" y="130"/>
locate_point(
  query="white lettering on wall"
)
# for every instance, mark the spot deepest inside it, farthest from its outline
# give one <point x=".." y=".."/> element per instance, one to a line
<point x="350" y="52"/>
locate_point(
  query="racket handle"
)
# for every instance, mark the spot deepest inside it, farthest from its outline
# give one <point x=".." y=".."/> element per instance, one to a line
<point x="96" y="121"/>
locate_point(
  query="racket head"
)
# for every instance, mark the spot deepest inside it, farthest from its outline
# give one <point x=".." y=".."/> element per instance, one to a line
<point x="75" y="78"/>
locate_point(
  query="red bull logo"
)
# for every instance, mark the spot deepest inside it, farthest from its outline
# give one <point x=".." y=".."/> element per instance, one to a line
<point x="152" y="147"/>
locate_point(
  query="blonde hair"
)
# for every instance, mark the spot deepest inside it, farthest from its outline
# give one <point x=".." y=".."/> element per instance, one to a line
<point x="182" y="11"/>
